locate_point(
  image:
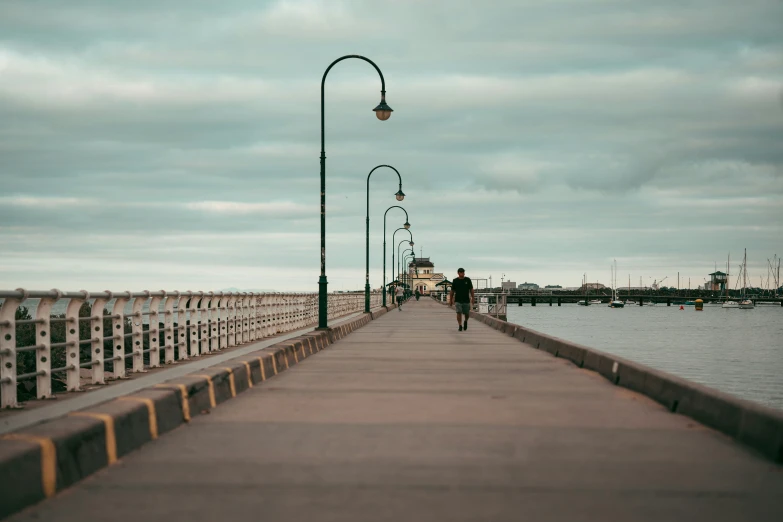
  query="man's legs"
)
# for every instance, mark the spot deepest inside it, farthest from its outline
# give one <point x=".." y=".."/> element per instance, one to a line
<point x="463" y="309"/>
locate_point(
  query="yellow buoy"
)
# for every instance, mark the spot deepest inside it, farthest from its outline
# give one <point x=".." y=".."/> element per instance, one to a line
<point x="699" y="305"/>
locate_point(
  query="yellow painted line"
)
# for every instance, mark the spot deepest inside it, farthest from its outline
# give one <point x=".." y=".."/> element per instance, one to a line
<point x="285" y="356"/>
<point x="212" y="401"/>
<point x="108" y="423"/>
<point x="185" y="403"/>
<point x="274" y="363"/>
<point x="310" y="344"/>
<point x="48" y="460"/>
<point x="231" y="382"/>
<point x="249" y="374"/>
<point x="150" y="410"/>
<point x="263" y="372"/>
<point x="296" y="357"/>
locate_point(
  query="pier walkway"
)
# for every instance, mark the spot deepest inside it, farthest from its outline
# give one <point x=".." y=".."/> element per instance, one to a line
<point x="408" y="419"/>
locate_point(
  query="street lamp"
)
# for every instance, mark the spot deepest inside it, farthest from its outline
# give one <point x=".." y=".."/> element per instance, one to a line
<point x="410" y="242"/>
<point x="400" y="196"/>
<point x="383" y="112"/>
<point x="404" y="261"/>
<point x="408" y="277"/>
<point x="399" y="256"/>
<point x="406" y="226"/>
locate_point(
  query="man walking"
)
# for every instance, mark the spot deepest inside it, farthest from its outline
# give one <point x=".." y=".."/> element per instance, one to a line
<point x="400" y="294"/>
<point x="462" y="293"/>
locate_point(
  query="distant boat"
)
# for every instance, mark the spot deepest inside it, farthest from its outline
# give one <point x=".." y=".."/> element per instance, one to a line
<point x="582" y="303"/>
<point x="614" y="302"/>
<point x="630" y="302"/>
<point x="730" y="304"/>
<point x="745" y="304"/>
<point x="595" y="301"/>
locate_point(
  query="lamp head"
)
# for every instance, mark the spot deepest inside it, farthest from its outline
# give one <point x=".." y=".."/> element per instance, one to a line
<point x="407" y="225"/>
<point x="411" y="244"/>
<point x="400" y="195"/>
<point x="383" y="111"/>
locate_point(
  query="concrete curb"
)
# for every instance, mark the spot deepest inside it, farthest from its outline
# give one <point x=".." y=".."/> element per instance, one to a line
<point x="756" y="426"/>
<point x="45" y="458"/>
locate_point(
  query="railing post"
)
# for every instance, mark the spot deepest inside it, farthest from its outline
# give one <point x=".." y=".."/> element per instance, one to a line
<point x="8" y="350"/>
<point x="214" y="322"/>
<point x="118" y="336"/>
<point x="286" y="312"/>
<point x="168" y="327"/>
<point x="276" y="314"/>
<point x="43" y="340"/>
<point x="301" y="310"/>
<point x="231" y="319"/>
<point x="73" y="343"/>
<point x="223" y="320"/>
<point x="193" y="323"/>
<point x="253" y="318"/>
<point x="137" y="329"/>
<point x="153" y="332"/>
<point x="265" y="315"/>
<point x="203" y="324"/>
<point x="244" y="321"/>
<point x="259" y="316"/>
<point x="97" y="357"/>
<point x="182" y="327"/>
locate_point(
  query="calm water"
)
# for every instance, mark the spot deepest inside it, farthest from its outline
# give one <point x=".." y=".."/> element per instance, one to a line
<point x="736" y="351"/>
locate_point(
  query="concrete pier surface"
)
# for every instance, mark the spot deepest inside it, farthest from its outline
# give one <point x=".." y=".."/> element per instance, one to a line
<point x="409" y="419"/>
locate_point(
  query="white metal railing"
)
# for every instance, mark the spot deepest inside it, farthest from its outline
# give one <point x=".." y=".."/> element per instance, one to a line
<point x="45" y="335"/>
<point x="492" y="304"/>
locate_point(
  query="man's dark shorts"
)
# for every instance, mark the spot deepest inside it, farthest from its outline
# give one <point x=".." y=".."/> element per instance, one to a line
<point x="462" y="308"/>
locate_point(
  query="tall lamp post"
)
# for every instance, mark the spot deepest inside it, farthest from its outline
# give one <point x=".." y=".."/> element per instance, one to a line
<point x="406" y="226"/>
<point x="408" y="276"/>
<point x="410" y="242"/>
<point x="383" y="112"/>
<point x="399" y="255"/>
<point x="400" y="195"/>
<point x="404" y="261"/>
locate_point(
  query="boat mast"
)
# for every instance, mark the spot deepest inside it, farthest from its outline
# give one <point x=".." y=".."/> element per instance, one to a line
<point x="728" y="263"/>
<point x="744" y="273"/>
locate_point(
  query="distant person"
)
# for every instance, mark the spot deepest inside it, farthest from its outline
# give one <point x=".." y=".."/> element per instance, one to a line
<point x="418" y="294"/>
<point x="462" y="292"/>
<point x="400" y="292"/>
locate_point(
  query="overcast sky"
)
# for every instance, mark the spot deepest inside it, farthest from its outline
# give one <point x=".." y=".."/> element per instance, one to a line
<point x="175" y="144"/>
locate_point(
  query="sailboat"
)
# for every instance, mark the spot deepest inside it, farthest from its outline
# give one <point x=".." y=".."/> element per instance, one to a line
<point x="728" y="303"/>
<point x="745" y="304"/>
<point x="628" y="300"/>
<point x="615" y="302"/>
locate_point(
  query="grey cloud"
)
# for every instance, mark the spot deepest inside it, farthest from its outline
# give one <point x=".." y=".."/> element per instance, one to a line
<point x="522" y="131"/>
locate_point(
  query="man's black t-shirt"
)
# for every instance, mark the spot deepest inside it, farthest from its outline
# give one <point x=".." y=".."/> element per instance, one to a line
<point x="462" y="288"/>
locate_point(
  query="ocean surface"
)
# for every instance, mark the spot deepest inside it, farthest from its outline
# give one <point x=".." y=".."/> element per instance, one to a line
<point x="736" y="351"/>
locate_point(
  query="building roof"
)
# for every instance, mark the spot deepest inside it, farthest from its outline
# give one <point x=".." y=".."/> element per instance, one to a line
<point x="718" y="273"/>
<point x="421" y="261"/>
